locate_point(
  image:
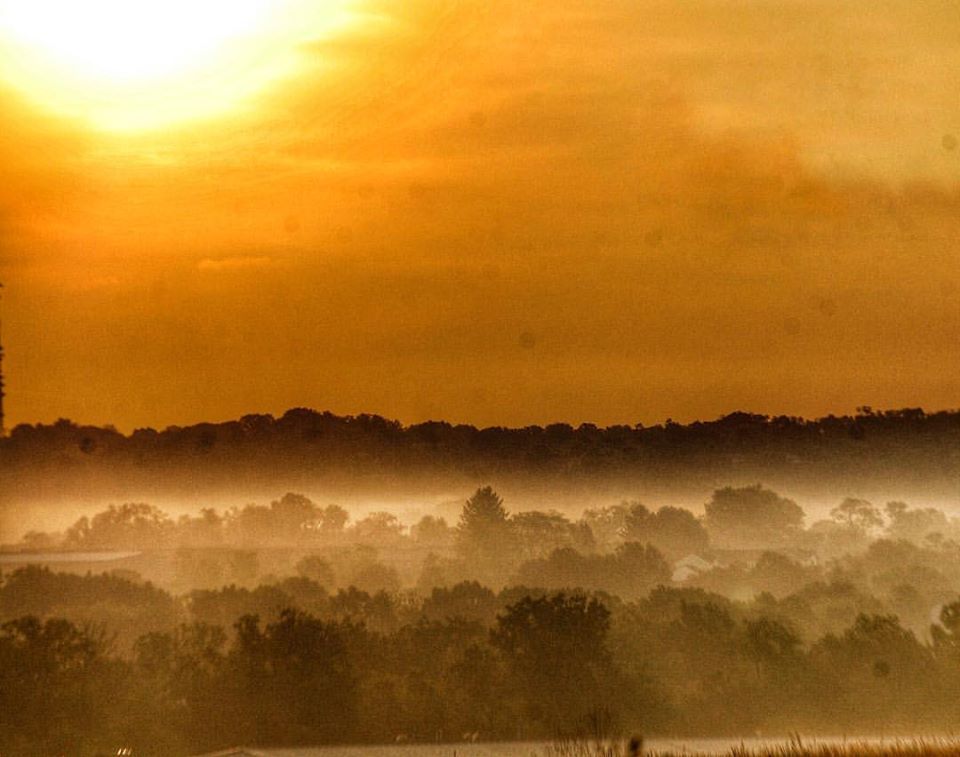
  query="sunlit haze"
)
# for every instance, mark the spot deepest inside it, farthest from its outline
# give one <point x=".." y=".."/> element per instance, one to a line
<point x="494" y="213"/>
<point x="123" y="64"/>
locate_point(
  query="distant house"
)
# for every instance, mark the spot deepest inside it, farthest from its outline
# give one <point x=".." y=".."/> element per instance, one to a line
<point x="690" y="566"/>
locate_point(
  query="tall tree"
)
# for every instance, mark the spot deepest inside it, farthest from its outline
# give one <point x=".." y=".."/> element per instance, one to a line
<point x="752" y="516"/>
<point x="672" y="530"/>
<point x="555" y="649"/>
<point x="484" y="534"/>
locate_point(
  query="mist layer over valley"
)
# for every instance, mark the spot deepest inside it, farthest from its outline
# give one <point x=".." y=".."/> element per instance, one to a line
<point x="491" y="584"/>
<point x="368" y="463"/>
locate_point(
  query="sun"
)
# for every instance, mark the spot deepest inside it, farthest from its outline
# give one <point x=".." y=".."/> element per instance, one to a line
<point x="134" y="64"/>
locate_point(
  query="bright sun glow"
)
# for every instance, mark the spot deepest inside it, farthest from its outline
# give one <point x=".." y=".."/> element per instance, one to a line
<point x="133" y="64"/>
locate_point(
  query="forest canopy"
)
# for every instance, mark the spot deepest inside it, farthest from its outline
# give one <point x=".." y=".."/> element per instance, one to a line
<point x="290" y="623"/>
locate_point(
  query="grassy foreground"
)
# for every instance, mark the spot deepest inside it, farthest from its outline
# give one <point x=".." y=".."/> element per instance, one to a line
<point x="794" y="748"/>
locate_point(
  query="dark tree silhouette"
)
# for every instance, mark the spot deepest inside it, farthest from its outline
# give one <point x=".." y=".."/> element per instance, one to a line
<point x="672" y="530"/>
<point x="483" y="514"/>
<point x="555" y="649"/>
<point x="484" y="536"/>
<point x="752" y="516"/>
<point x="857" y="514"/>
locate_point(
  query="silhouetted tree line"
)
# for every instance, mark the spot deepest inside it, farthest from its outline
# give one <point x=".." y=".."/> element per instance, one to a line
<point x="906" y="445"/>
<point x="519" y="664"/>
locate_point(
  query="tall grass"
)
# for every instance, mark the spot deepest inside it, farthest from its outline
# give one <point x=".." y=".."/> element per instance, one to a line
<point x="794" y="748"/>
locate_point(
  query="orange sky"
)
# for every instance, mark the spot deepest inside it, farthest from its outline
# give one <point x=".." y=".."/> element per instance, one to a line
<point x="506" y="213"/>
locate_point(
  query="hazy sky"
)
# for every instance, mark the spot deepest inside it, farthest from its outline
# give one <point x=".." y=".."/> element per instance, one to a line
<point x="495" y="212"/>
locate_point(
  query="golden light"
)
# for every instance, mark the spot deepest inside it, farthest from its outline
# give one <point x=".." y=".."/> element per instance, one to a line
<point x="134" y="64"/>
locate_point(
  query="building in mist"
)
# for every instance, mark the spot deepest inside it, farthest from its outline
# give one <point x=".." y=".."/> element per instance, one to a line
<point x="691" y="566"/>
